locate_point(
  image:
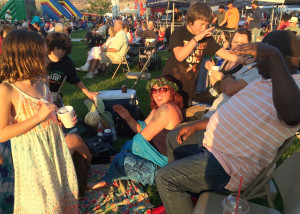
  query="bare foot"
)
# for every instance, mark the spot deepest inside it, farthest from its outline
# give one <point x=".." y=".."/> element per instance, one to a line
<point x="100" y="185"/>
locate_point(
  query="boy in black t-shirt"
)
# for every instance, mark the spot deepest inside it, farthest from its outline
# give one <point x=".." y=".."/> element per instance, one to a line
<point x="61" y="66"/>
<point x="188" y="44"/>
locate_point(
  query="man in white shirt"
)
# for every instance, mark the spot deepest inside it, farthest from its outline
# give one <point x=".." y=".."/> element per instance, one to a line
<point x="8" y="16"/>
<point x="114" y="53"/>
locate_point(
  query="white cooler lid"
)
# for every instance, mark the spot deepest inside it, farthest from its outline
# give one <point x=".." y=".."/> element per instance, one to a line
<point x="117" y="94"/>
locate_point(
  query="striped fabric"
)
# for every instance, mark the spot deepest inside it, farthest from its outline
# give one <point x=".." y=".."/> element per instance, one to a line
<point x="245" y="133"/>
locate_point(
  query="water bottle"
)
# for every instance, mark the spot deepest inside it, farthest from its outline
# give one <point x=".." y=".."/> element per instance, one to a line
<point x="114" y="132"/>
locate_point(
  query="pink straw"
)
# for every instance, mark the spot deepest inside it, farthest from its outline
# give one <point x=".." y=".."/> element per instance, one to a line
<point x="238" y="196"/>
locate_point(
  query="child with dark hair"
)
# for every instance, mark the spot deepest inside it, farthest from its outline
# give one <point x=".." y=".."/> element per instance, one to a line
<point x="188" y="45"/>
<point x="45" y="178"/>
<point x="61" y="66"/>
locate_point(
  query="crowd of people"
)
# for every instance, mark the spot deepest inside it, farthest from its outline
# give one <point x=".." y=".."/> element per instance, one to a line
<point x="248" y="107"/>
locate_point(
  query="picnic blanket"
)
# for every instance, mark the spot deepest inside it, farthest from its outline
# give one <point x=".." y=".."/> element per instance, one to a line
<point x="121" y="197"/>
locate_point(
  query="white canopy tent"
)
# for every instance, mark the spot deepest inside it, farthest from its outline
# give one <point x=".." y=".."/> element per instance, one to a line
<point x="128" y="11"/>
<point x="237" y="3"/>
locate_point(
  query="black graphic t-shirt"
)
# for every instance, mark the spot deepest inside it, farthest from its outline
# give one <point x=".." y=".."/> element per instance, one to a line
<point x="187" y="70"/>
<point x="58" y="70"/>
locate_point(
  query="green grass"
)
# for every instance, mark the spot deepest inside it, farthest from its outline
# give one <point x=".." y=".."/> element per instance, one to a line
<point x="74" y="97"/>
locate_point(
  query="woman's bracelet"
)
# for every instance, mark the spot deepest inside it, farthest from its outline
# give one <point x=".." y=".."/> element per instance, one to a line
<point x="195" y="40"/>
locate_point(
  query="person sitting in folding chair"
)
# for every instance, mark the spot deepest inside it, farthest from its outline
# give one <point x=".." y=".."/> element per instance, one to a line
<point x="60" y="66"/>
<point x="150" y="32"/>
<point x="95" y="51"/>
<point x="244" y="135"/>
<point x="115" y="52"/>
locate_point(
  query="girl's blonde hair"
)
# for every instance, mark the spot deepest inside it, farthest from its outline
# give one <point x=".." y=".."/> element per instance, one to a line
<point x="163" y="28"/>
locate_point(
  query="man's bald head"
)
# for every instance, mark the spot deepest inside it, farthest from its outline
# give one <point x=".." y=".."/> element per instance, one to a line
<point x="118" y="26"/>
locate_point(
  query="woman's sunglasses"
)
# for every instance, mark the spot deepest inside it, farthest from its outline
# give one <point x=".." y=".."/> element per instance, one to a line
<point x="159" y="90"/>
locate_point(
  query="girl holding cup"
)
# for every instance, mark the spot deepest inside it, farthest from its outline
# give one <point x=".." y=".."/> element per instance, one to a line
<point x="45" y="179"/>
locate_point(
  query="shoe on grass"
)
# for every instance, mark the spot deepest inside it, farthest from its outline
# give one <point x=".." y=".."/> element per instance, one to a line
<point x="84" y="68"/>
<point x="89" y="75"/>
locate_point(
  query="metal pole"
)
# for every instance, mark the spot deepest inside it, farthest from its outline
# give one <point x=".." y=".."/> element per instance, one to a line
<point x="281" y="12"/>
<point x="172" y="26"/>
<point x="167" y="14"/>
<point x="272" y="18"/>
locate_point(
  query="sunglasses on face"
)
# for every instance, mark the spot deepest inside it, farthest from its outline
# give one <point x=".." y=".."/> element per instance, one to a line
<point x="159" y="90"/>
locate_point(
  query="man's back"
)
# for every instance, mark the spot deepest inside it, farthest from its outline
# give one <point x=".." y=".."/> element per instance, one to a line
<point x="149" y="34"/>
<point x="245" y="133"/>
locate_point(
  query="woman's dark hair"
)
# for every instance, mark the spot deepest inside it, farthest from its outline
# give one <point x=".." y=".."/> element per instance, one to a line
<point x="285" y="17"/>
<point x="23" y="56"/>
<point x="199" y="11"/>
<point x="243" y="31"/>
<point x="59" y="41"/>
<point x="227" y="36"/>
<point x="176" y="98"/>
<point x="30" y="27"/>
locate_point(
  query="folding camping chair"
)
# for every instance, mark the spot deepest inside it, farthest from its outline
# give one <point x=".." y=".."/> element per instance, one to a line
<point x="57" y="97"/>
<point x="286" y="177"/>
<point x="145" y="55"/>
<point x="122" y="63"/>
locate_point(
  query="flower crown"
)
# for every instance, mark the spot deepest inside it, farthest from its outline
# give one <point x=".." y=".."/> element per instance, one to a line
<point x="161" y="82"/>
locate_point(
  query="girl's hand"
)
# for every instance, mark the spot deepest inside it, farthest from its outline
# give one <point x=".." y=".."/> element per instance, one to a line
<point x="123" y="112"/>
<point x="45" y="110"/>
<point x="209" y="64"/>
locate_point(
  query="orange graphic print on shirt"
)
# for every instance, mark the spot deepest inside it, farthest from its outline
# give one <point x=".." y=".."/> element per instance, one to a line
<point x="195" y="57"/>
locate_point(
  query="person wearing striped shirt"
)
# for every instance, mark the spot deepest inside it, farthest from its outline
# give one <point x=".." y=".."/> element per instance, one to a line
<point x="245" y="133"/>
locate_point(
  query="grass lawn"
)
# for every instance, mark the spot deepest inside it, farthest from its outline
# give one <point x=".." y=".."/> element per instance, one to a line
<point x="75" y="98"/>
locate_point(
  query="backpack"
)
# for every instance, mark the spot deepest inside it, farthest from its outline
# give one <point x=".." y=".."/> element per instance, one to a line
<point x="100" y="150"/>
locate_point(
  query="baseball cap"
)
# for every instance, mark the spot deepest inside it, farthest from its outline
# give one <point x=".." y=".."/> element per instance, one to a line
<point x="285" y="40"/>
<point x="294" y="19"/>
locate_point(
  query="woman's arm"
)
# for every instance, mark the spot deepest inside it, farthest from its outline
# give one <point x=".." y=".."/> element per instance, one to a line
<point x="124" y="113"/>
<point x="166" y="116"/>
<point x="8" y="131"/>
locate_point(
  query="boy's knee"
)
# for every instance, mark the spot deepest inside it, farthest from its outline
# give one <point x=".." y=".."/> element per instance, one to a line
<point x="159" y="177"/>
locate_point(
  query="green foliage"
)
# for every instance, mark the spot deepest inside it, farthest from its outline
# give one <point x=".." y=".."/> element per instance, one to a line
<point x="153" y="196"/>
<point x="99" y="6"/>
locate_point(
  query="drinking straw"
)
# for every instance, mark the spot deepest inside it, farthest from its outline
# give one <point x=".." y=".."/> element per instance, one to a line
<point x="238" y="196"/>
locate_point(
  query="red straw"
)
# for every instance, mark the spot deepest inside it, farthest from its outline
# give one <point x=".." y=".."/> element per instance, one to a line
<point x="238" y="196"/>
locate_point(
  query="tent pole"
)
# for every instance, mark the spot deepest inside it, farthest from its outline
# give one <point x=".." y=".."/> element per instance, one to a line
<point x="272" y="18"/>
<point x="172" y="26"/>
<point x="167" y="14"/>
<point x="281" y="12"/>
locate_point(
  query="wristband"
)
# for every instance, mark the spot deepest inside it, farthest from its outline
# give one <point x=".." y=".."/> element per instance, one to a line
<point x="195" y="40"/>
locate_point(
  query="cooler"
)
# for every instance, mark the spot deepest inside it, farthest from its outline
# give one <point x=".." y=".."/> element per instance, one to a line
<point x="114" y="97"/>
